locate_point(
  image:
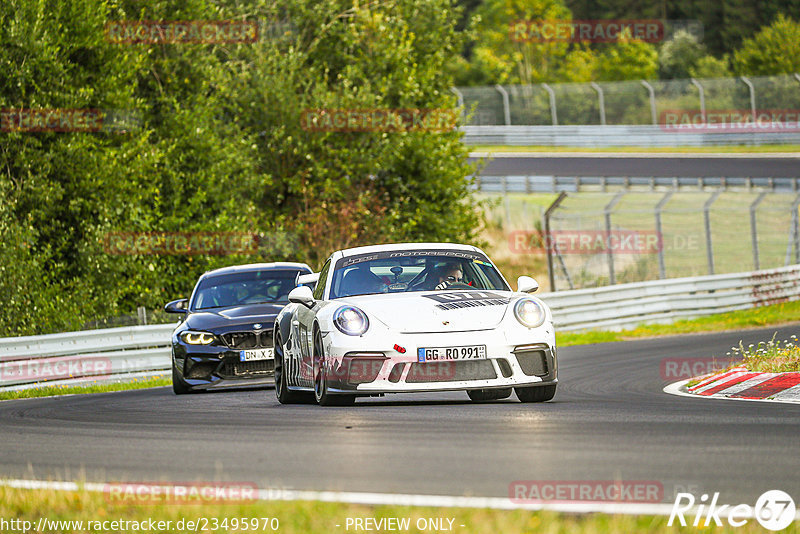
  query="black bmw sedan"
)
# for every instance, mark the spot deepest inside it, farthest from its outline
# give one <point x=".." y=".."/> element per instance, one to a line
<point x="225" y="338"/>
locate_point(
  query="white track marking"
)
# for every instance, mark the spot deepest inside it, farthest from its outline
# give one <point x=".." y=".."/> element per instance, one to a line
<point x="653" y="155"/>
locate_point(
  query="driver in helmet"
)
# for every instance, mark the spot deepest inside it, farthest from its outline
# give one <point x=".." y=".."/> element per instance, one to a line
<point x="449" y="274"/>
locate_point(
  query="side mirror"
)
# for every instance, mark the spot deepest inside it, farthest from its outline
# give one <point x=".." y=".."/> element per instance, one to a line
<point x="302" y="295"/>
<point x="177" y="306"/>
<point x="526" y="284"/>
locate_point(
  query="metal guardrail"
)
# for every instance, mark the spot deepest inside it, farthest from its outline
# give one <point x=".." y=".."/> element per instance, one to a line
<point x="617" y="135"/>
<point x="575" y="184"/>
<point x="663" y="301"/>
<point x="89" y="354"/>
<point x="118" y="351"/>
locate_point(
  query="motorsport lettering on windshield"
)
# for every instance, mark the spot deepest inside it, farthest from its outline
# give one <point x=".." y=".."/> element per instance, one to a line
<point x="346" y="262"/>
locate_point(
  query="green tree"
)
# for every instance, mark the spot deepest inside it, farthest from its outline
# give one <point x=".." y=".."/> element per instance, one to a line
<point x="773" y="50"/>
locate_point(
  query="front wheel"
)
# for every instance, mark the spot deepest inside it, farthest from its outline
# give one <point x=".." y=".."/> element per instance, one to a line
<point x="536" y="393"/>
<point x="321" y="380"/>
<point x="178" y="386"/>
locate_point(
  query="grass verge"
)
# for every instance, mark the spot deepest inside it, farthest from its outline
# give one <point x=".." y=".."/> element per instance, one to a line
<point x="310" y="517"/>
<point x="777" y="314"/>
<point x="92" y="387"/>
<point x="766" y="149"/>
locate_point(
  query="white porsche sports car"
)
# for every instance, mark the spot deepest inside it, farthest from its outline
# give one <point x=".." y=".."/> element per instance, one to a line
<point x="410" y="318"/>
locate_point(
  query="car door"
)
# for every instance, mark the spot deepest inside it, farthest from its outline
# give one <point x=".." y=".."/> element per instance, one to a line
<point x="304" y="320"/>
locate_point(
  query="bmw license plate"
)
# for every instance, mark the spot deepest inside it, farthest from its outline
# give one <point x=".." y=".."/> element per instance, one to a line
<point x="446" y="354"/>
<point x="256" y="354"/>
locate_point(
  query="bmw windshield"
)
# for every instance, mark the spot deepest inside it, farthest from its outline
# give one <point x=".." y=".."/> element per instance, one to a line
<point x="244" y="288"/>
<point x="414" y="270"/>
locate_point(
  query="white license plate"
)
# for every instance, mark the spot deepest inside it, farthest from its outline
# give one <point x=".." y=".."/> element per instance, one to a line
<point x="256" y="354"/>
<point x="448" y="354"/>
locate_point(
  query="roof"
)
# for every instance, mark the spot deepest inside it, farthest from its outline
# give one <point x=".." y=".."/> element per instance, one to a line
<point x="407" y="246"/>
<point x="275" y="266"/>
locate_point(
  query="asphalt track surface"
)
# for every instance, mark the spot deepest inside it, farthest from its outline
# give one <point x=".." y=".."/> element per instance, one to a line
<point x="643" y="165"/>
<point x="610" y="420"/>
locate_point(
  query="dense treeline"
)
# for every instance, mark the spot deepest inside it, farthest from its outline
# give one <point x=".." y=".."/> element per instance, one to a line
<point x="702" y="39"/>
<point x="216" y="145"/>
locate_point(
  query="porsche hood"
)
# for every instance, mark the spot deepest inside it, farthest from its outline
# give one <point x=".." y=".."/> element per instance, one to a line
<point x="435" y="311"/>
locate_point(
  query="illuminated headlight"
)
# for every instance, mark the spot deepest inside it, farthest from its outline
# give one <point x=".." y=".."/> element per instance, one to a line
<point x="529" y="312"/>
<point x="198" y="338"/>
<point x="351" y="321"/>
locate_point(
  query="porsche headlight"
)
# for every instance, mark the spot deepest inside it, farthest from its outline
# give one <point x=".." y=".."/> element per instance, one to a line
<point x="529" y="312"/>
<point x="198" y="338"/>
<point x="350" y="320"/>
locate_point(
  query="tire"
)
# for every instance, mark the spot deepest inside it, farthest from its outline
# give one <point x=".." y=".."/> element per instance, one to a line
<point x="321" y="382"/>
<point x="536" y="393"/>
<point x="478" y="395"/>
<point x="282" y="391"/>
<point x="178" y="386"/>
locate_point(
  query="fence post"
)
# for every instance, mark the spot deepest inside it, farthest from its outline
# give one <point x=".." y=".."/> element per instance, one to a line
<point x="652" y="93"/>
<point x="753" y="229"/>
<point x="707" y="224"/>
<point x="609" y="251"/>
<point x="506" y="105"/>
<point x="553" y="112"/>
<point x="601" y="102"/>
<point x="460" y="102"/>
<point x="548" y="242"/>
<point x="702" y="98"/>
<point x="662" y="269"/>
<point x="747" y="81"/>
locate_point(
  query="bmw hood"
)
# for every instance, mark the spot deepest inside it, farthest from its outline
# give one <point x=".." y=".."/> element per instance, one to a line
<point x="435" y="311"/>
<point x="227" y="319"/>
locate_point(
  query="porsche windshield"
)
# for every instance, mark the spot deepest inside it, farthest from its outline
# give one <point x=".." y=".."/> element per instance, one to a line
<point x="414" y="270"/>
<point x="244" y="288"/>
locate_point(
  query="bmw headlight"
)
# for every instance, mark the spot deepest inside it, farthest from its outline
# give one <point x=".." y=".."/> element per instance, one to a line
<point x="529" y="312"/>
<point x="350" y="320"/>
<point x="198" y="338"/>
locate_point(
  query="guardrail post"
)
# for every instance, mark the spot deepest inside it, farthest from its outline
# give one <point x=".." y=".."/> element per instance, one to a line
<point x="601" y="102"/>
<point x="548" y="242"/>
<point x="553" y="112"/>
<point x="506" y="105"/>
<point x="528" y="187"/>
<point x="753" y="228"/>
<point x="460" y="102"/>
<point x="652" y="93"/>
<point x="702" y="97"/>
<point x="750" y="86"/>
<point x="662" y="269"/>
<point x="609" y="251"/>
<point x="707" y="224"/>
<point x="796" y="227"/>
<point x="141" y="312"/>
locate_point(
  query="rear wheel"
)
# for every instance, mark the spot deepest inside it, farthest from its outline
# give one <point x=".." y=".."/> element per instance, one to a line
<point x="321" y="381"/>
<point x="478" y="395"/>
<point x="536" y="393"/>
<point x="177" y="383"/>
<point x="282" y="391"/>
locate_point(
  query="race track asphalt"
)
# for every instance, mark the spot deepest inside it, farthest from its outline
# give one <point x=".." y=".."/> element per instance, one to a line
<point x="610" y="420"/>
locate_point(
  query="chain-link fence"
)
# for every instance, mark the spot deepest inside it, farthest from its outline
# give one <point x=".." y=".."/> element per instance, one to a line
<point x="628" y="103"/>
<point x="597" y="239"/>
